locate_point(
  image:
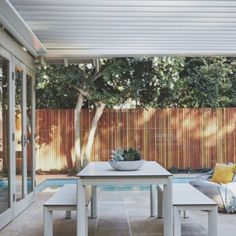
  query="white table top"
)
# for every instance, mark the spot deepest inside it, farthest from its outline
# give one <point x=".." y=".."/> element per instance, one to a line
<point x="103" y="169"/>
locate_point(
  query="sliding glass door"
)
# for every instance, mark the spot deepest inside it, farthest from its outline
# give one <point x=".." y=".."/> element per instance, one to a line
<point x="17" y="121"/>
<point x="6" y="203"/>
<point x="24" y="138"/>
<point x="4" y="158"/>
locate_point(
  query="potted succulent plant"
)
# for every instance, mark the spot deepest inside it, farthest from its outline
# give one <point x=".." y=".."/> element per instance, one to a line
<point x="126" y="159"/>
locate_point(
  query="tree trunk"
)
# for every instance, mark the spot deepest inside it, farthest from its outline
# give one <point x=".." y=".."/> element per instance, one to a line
<point x="78" y="108"/>
<point x="86" y="153"/>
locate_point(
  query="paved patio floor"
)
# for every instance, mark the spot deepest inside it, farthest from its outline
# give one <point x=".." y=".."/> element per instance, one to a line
<point x="123" y="213"/>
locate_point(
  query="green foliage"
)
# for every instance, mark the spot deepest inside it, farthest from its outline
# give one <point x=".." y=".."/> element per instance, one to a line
<point x="57" y="87"/>
<point x="166" y="75"/>
<point x="53" y="86"/>
<point x="148" y="82"/>
<point x="204" y="82"/>
<point x="129" y="154"/>
<point x="231" y="95"/>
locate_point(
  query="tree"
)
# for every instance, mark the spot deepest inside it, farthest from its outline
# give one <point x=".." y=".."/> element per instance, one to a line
<point x="77" y="84"/>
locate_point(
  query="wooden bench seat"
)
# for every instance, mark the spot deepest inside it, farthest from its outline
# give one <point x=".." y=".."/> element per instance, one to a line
<point x="186" y="197"/>
<point x="63" y="200"/>
<point x="66" y="195"/>
<point x="186" y="194"/>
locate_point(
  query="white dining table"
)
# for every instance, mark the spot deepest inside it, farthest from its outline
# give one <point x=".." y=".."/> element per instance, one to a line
<point x="101" y="173"/>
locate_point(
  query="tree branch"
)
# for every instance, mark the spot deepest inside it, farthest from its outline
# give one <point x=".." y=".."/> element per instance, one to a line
<point x="96" y="76"/>
<point x="84" y="93"/>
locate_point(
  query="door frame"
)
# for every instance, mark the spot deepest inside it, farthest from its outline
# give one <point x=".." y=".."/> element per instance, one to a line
<point x="31" y="74"/>
<point x="7" y="215"/>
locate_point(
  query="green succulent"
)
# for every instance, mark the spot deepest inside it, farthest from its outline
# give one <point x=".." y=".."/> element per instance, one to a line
<point x="117" y="155"/>
<point x="129" y="154"/>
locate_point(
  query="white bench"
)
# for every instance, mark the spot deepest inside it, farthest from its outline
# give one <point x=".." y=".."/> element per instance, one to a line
<point x="63" y="200"/>
<point x="186" y="197"/>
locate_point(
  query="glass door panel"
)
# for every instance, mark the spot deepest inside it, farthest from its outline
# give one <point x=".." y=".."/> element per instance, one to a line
<point x="17" y="117"/>
<point x="4" y="137"/>
<point x="29" y="96"/>
<point x="24" y="117"/>
<point x="19" y="133"/>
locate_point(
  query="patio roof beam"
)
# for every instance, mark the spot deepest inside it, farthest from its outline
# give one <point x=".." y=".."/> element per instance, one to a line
<point x="37" y="18"/>
<point x="73" y="53"/>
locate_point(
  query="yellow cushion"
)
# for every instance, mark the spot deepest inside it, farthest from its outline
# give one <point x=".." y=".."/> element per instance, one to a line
<point x="223" y="174"/>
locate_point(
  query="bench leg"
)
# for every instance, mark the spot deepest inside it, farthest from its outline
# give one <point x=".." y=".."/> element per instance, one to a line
<point x="94" y="202"/>
<point x="185" y="214"/>
<point x="177" y="222"/>
<point x="152" y="200"/>
<point x="82" y="218"/>
<point x="212" y="222"/>
<point x="47" y="222"/>
<point x="159" y="202"/>
<point x="68" y="214"/>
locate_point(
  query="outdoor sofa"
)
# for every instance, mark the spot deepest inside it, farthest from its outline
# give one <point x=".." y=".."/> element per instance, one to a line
<point x="223" y="194"/>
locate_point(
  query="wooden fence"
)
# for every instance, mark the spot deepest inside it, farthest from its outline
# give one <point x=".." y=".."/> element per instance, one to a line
<point x="182" y="138"/>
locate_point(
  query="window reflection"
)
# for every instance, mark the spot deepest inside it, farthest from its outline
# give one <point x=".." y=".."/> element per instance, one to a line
<point x="18" y="120"/>
<point x="29" y="135"/>
<point x="4" y="158"/>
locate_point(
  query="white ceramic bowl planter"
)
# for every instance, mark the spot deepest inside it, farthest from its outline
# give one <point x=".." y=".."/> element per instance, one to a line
<point x="126" y="165"/>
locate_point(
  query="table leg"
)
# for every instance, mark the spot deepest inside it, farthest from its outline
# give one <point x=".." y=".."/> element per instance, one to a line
<point x="82" y="219"/>
<point x="185" y="214"/>
<point x="94" y="202"/>
<point x="152" y="200"/>
<point x="47" y="222"/>
<point x="159" y="202"/>
<point x="68" y="214"/>
<point x="168" y="209"/>
<point x="212" y="222"/>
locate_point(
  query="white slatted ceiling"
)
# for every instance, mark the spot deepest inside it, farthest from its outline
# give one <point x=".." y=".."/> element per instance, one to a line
<point x="94" y="28"/>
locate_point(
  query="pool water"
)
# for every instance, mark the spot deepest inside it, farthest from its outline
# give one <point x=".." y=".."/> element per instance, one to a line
<point x="51" y="185"/>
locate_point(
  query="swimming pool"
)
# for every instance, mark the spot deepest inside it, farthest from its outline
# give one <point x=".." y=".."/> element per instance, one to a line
<point x="57" y="183"/>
